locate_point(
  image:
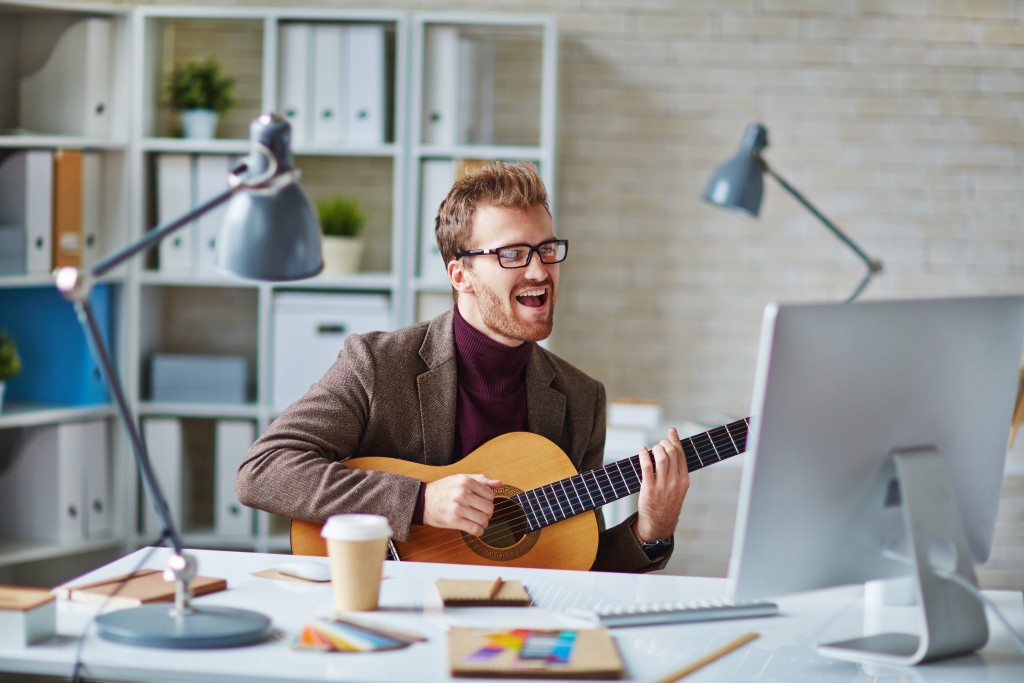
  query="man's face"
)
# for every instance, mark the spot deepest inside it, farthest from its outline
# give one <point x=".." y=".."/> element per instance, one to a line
<point x="510" y="305"/>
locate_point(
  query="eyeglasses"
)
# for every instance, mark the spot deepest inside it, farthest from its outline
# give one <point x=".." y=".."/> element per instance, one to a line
<point x="519" y="255"/>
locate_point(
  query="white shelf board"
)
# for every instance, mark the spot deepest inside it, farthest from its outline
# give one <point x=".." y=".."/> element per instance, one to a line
<point x="202" y="410"/>
<point x="43" y="140"/>
<point x="183" y="146"/>
<point x="157" y="279"/>
<point x="14" y="551"/>
<point x="361" y="281"/>
<point x="38" y="414"/>
<point x="516" y="152"/>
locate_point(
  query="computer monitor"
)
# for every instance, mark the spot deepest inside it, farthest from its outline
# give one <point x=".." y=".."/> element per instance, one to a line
<point x="869" y="420"/>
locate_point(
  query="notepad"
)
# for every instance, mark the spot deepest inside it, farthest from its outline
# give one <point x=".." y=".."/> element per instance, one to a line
<point x="132" y="590"/>
<point x="477" y="593"/>
<point x="533" y="653"/>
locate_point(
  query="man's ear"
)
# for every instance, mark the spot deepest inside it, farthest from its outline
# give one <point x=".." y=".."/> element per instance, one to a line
<point x="458" y="276"/>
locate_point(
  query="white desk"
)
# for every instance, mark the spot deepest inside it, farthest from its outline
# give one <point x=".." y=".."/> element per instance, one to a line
<point x="784" y="652"/>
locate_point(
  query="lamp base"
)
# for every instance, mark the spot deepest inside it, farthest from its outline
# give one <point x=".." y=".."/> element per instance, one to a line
<point x="206" y="627"/>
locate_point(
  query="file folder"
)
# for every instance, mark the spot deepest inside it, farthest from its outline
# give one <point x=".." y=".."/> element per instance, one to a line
<point x="294" y="79"/>
<point x="232" y="439"/>
<point x="94" y="437"/>
<point x="174" y="198"/>
<point x="329" y="51"/>
<point x="26" y="200"/>
<point x="440" y="91"/>
<point x="165" y="442"/>
<point x="67" y="208"/>
<point x="211" y="179"/>
<point x="365" y="102"/>
<point x="70" y="93"/>
<point x="93" y="217"/>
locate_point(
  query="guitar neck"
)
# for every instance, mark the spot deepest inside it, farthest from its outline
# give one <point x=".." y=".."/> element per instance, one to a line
<point x="590" y="490"/>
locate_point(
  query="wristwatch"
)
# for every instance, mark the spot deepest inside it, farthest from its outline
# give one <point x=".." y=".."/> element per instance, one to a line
<point x="656" y="548"/>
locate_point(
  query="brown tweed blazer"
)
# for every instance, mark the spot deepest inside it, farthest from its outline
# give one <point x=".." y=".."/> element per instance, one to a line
<point x="394" y="394"/>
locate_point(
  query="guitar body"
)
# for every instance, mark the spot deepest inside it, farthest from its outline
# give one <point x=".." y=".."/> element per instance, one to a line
<point x="521" y="461"/>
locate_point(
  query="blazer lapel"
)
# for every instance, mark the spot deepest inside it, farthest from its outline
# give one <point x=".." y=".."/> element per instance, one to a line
<point x="437" y="391"/>
<point x="545" y="406"/>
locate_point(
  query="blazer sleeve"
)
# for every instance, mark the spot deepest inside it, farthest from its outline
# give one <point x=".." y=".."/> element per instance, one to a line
<point x="617" y="548"/>
<point x="296" y="468"/>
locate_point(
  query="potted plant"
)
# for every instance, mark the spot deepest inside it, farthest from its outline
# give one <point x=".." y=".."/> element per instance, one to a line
<point x="10" y="362"/>
<point x="201" y="92"/>
<point x="342" y="223"/>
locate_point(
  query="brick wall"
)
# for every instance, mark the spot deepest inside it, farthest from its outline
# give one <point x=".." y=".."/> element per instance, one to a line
<point x="901" y="119"/>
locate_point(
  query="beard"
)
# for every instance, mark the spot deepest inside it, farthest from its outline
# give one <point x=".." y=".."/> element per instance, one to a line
<point x="502" y="315"/>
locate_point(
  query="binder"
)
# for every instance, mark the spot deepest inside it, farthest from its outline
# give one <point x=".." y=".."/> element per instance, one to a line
<point x="93" y="217"/>
<point x="294" y="84"/>
<point x="67" y="208"/>
<point x="70" y="93"/>
<point x="365" y="104"/>
<point x="93" y="436"/>
<point x="26" y="200"/>
<point x="435" y="182"/>
<point x="211" y="179"/>
<point x="329" y="50"/>
<point x="174" y="199"/>
<point x="440" y="91"/>
<point x="165" y="442"/>
<point x="232" y="440"/>
<point x="41" y="491"/>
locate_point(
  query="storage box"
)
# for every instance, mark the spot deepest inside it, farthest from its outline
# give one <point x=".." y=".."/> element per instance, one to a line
<point x="198" y="378"/>
<point x="309" y="332"/>
<point x="27" y="615"/>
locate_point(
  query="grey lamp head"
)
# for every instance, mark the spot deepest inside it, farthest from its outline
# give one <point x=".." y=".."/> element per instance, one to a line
<point x="270" y="229"/>
<point x="739" y="182"/>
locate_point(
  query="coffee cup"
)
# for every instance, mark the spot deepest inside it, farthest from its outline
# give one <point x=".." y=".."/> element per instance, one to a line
<point x="356" y="547"/>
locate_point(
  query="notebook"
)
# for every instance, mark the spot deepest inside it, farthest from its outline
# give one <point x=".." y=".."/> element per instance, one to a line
<point x="533" y="653"/>
<point x="145" y="586"/>
<point x="477" y="593"/>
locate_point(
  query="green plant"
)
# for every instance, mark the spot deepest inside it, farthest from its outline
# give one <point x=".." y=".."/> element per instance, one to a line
<point x="200" y="84"/>
<point x="340" y="217"/>
<point x="10" y="361"/>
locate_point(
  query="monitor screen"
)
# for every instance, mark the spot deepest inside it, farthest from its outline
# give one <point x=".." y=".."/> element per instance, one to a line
<point x="838" y="388"/>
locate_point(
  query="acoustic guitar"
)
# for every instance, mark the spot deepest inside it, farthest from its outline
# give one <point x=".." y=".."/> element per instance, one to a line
<point x="541" y="510"/>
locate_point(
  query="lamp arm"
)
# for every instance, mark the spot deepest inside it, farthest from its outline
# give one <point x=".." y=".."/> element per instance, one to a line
<point x="874" y="266"/>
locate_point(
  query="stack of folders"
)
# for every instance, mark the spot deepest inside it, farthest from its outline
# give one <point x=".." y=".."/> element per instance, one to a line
<point x="345" y="635"/>
<point x="199" y="378"/>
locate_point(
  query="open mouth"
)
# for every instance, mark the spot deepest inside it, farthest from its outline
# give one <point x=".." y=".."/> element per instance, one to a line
<point x="533" y="298"/>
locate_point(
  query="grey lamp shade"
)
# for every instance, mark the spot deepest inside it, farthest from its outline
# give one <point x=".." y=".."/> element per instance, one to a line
<point x="739" y="182"/>
<point x="270" y="233"/>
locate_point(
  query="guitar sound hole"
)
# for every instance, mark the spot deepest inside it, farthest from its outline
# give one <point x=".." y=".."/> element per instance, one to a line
<point x="508" y="525"/>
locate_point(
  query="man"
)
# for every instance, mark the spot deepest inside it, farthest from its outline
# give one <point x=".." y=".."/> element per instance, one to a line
<point x="433" y="392"/>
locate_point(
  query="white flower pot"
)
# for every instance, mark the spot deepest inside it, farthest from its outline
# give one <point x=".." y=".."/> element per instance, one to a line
<point x="342" y="255"/>
<point x="199" y="124"/>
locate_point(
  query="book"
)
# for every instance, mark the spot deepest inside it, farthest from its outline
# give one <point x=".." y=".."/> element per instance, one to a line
<point x="132" y="590"/>
<point x="477" y="593"/>
<point x="533" y="653"/>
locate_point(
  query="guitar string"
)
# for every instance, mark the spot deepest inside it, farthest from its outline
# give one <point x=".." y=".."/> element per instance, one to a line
<point x="458" y="540"/>
<point x="522" y="513"/>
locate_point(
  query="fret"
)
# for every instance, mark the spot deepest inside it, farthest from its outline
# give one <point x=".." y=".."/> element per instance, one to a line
<point x="559" y="500"/>
<point x="586" y="487"/>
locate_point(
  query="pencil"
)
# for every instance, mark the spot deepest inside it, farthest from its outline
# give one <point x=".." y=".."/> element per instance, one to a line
<point x="708" y="658"/>
<point x="495" y="587"/>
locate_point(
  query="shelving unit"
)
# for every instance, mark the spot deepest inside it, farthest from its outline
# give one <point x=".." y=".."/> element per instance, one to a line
<point x="198" y="311"/>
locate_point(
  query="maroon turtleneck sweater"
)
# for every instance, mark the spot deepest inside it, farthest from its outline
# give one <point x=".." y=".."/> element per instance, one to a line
<point x="492" y="392"/>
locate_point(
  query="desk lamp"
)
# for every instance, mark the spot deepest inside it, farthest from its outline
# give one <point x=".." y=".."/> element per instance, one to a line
<point x="270" y="232"/>
<point x="738" y="184"/>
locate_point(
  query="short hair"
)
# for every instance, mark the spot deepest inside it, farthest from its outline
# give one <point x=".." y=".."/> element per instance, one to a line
<point x="493" y="183"/>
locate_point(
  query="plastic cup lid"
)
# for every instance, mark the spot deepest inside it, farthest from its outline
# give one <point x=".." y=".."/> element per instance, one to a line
<point x="356" y="527"/>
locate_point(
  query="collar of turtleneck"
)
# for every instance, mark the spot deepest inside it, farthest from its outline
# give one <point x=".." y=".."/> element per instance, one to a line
<point x="488" y="367"/>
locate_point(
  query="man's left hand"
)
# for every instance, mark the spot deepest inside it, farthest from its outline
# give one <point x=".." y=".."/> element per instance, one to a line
<point x="662" y="488"/>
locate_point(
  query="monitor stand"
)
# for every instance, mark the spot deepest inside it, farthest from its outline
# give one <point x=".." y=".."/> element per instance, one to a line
<point x="953" y="620"/>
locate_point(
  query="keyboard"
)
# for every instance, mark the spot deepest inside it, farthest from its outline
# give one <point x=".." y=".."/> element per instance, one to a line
<point x="642" y="614"/>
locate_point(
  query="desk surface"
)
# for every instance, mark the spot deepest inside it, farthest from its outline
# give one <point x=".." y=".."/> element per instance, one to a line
<point x="784" y="652"/>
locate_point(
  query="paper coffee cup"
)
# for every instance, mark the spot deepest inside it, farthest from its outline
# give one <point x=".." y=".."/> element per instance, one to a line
<point x="356" y="546"/>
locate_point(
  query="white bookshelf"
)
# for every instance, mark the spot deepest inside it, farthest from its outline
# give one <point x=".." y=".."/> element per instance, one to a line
<point x="168" y="312"/>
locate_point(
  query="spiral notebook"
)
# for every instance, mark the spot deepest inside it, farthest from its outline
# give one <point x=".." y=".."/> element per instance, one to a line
<point x="477" y="593"/>
<point x="533" y="653"/>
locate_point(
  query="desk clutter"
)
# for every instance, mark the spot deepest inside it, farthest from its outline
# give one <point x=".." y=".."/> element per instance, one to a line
<point x="131" y="590"/>
<point x="482" y="593"/>
<point x="344" y="635"/>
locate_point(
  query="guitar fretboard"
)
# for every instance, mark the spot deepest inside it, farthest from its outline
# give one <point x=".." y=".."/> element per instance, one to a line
<point x="590" y="490"/>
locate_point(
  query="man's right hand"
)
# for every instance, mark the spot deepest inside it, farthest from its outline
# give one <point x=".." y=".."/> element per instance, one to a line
<point x="461" y="501"/>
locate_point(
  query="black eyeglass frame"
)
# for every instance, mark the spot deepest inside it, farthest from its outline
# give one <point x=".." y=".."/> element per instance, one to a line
<point x="529" y="255"/>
